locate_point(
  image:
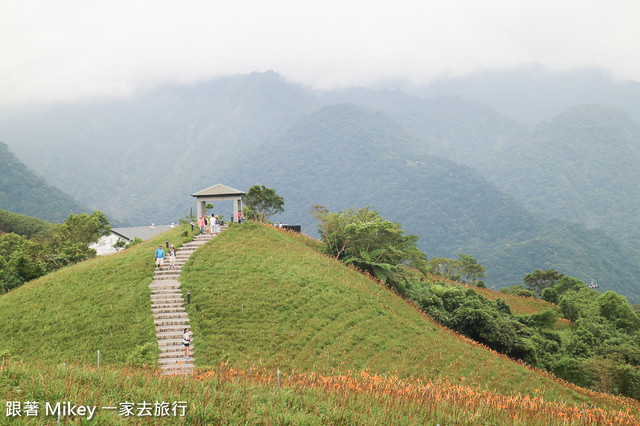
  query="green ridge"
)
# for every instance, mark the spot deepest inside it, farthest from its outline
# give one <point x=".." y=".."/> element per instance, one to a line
<point x="264" y="298"/>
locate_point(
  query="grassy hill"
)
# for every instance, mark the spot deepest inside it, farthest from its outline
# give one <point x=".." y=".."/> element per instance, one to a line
<point x="100" y="304"/>
<point x="264" y="298"/>
<point x="348" y="348"/>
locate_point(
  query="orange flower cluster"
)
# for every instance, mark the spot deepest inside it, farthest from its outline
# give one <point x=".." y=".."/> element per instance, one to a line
<point x="440" y="396"/>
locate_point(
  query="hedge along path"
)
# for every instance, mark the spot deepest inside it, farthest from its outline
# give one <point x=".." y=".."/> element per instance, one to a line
<point x="169" y="315"/>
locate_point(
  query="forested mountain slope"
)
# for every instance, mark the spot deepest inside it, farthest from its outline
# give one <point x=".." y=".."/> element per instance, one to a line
<point x="583" y="166"/>
<point x="22" y="191"/>
<point x="343" y="156"/>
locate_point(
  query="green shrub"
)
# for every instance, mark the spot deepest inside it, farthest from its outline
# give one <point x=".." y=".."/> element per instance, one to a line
<point x="144" y="354"/>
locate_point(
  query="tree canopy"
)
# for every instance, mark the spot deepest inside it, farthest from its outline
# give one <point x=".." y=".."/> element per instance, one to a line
<point x="363" y="238"/>
<point x="540" y="280"/>
<point x="261" y="203"/>
<point x="23" y="259"/>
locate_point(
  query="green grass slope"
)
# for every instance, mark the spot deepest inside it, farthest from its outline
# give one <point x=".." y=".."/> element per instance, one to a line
<point x="101" y="304"/>
<point x="265" y="298"/>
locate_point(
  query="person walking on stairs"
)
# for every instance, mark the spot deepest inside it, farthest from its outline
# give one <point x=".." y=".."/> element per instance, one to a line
<point x="186" y="341"/>
<point x="159" y="256"/>
<point x="172" y="257"/>
<point x="201" y="224"/>
<point x="216" y="224"/>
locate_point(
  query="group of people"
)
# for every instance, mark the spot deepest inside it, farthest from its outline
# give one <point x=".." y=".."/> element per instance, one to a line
<point x="161" y="255"/>
<point x="209" y="225"/>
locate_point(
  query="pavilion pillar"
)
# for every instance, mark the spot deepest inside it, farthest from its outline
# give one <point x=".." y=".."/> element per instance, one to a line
<point x="234" y="215"/>
<point x="237" y="206"/>
<point x="201" y="207"/>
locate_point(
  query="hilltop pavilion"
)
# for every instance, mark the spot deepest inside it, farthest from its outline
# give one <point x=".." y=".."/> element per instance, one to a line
<point x="218" y="192"/>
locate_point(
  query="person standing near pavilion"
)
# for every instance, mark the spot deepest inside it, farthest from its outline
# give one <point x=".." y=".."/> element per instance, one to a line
<point x="201" y="224"/>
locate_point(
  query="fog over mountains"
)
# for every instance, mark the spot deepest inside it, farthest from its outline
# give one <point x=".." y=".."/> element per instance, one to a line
<point x="464" y="177"/>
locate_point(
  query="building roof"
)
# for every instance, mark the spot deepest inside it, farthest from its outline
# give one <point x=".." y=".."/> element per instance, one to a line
<point x="218" y="190"/>
<point x="142" y="232"/>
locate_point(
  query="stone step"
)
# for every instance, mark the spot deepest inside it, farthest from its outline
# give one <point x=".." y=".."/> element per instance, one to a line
<point x="178" y="366"/>
<point x="157" y="299"/>
<point x="166" y="298"/>
<point x="155" y="283"/>
<point x="167" y="286"/>
<point x="160" y="296"/>
<point x="169" y="342"/>
<point x="176" y="292"/>
<point x="165" y="305"/>
<point x="165" y="273"/>
<point x="170" y="334"/>
<point x="180" y="315"/>
<point x="194" y="244"/>
<point x="175" y="352"/>
<point x="171" y="315"/>
<point x="163" y="289"/>
<point x="171" y="321"/>
<point x="177" y="362"/>
<point x="164" y="277"/>
<point x="158" y="307"/>
<point x="177" y="308"/>
<point x="174" y="328"/>
<point x="167" y="360"/>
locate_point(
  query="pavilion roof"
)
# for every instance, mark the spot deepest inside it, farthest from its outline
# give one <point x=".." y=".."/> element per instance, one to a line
<point x="217" y="190"/>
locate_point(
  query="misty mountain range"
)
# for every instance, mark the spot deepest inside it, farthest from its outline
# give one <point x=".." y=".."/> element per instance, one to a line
<point x="459" y="174"/>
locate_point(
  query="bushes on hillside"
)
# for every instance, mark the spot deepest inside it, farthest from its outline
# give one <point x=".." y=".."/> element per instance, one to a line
<point x="602" y="351"/>
<point x="23" y="259"/>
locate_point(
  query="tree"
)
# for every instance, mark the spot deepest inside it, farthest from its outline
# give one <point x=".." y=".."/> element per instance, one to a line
<point x="448" y="268"/>
<point x="69" y="242"/>
<point x="23" y="259"/>
<point x="616" y="309"/>
<point x="262" y="203"/>
<point x="550" y="295"/>
<point x="84" y="228"/>
<point x="471" y="270"/>
<point x="363" y="238"/>
<point x="539" y="280"/>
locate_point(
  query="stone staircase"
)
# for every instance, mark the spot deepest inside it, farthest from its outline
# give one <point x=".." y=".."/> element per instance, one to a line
<point x="168" y="310"/>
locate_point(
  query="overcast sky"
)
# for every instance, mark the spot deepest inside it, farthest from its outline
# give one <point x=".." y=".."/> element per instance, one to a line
<point x="64" y="50"/>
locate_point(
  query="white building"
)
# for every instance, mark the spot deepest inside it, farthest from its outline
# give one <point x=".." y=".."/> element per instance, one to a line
<point x="105" y="244"/>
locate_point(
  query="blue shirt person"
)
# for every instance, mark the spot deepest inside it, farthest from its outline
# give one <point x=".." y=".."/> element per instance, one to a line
<point x="159" y="256"/>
